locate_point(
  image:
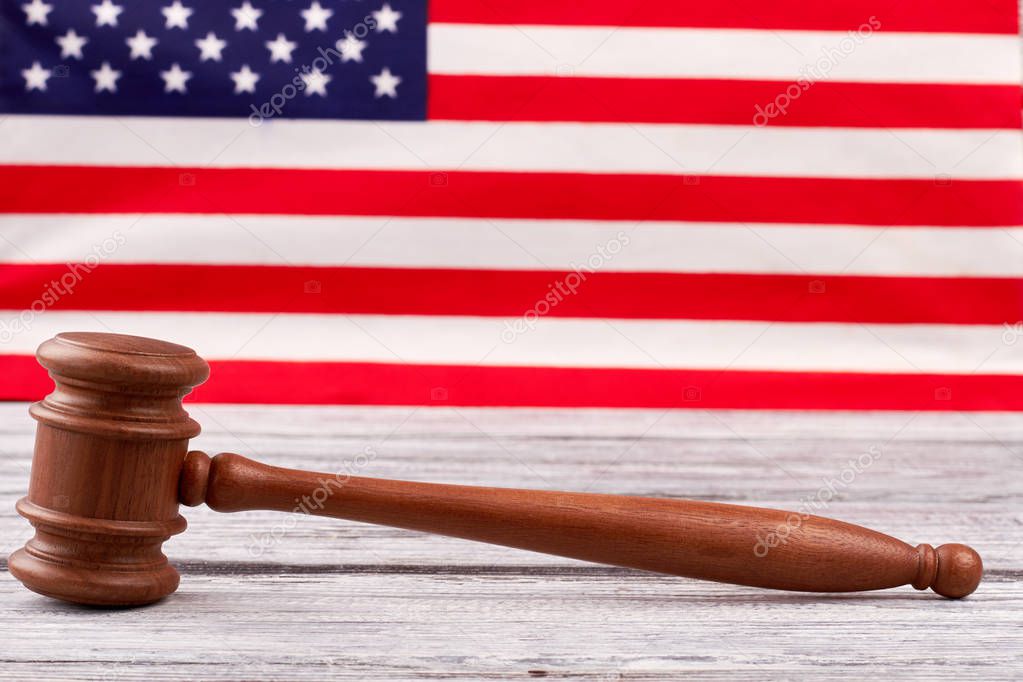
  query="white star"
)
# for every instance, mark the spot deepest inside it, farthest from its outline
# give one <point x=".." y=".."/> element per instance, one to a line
<point x="316" y="17"/>
<point x="106" y="13"/>
<point x="280" y="49"/>
<point x="387" y="19"/>
<point x="350" y="48"/>
<point x="177" y="15"/>
<point x="174" y="79"/>
<point x="36" y="11"/>
<point x="244" y="80"/>
<point x="210" y="47"/>
<point x="36" y="77"/>
<point x="141" y="45"/>
<point x="386" y="83"/>
<point x="106" y="78"/>
<point x="246" y="16"/>
<point x="71" y="44"/>
<point x="316" y="82"/>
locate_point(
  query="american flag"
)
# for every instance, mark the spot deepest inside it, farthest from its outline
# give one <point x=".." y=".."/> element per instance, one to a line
<point x="637" y="203"/>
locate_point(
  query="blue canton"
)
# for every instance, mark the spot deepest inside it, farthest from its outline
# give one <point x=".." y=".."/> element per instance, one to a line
<point x="262" y="59"/>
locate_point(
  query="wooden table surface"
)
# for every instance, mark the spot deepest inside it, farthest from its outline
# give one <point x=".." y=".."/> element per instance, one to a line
<point x="267" y="596"/>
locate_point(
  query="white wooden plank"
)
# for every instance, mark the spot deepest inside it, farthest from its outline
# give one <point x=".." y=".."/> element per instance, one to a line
<point x="412" y="626"/>
<point x="914" y="490"/>
<point x="556" y="423"/>
<point x="348" y="601"/>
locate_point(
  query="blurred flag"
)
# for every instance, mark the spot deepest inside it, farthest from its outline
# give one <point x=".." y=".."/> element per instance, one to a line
<point x="513" y="202"/>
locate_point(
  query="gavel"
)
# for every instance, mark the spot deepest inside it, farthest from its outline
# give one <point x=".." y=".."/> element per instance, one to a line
<point x="111" y="466"/>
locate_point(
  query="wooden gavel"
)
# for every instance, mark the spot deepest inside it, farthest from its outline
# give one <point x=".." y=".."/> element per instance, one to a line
<point x="111" y="465"/>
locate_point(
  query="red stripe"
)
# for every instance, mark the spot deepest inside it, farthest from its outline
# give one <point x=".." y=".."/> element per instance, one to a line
<point x="988" y="16"/>
<point x="242" y="381"/>
<point x="725" y="102"/>
<point x="712" y="198"/>
<point x="503" y="293"/>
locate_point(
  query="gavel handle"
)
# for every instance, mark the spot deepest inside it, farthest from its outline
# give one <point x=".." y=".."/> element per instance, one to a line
<point x="710" y="541"/>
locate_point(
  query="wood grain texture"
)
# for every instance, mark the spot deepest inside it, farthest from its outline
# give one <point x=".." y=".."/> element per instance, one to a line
<point x="103" y="491"/>
<point x="364" y="602"/>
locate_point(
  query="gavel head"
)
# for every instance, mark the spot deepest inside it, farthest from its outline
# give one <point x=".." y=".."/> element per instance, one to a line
<point x="103" y="495"/>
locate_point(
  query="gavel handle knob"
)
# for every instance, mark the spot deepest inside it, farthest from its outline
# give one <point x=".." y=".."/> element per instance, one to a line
<point x="705" y="540"/>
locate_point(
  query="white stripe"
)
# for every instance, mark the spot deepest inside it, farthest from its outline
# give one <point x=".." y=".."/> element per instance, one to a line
<point x="515" y="244"/>
<point x="553" y="342"/>
<point x="488" y="146"/>
<point x="722" y="53"/>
